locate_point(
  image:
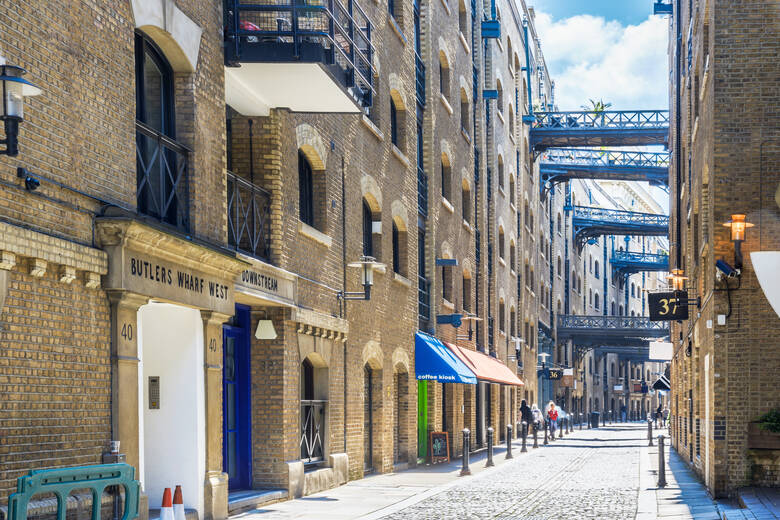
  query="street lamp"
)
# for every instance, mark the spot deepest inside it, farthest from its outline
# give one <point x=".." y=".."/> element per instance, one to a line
<point x="677" y="279"/>
<point x="14" y="90"/>
<point x="470" y="318"/>
<point x="366" y="264"/>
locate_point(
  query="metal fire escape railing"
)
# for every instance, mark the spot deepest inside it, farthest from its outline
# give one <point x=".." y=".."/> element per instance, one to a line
<point x="249" y="207"/>
<point x="628" y="262"/>
<point x="625" y="331"/>
<point x="589" y="222"/>
<point x="562" y="164"/>
<point x="589" y="128"/>
<point x="335" y="33"/>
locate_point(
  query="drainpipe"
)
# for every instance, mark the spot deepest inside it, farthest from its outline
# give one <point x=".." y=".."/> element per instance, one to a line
<point x="343" y="303"/>
<point x="678" y="134"/>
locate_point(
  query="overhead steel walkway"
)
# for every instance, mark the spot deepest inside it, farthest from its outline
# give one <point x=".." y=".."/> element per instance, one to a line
<point x="616" y="332"/>
<point x="629" y="262"/>
<point x="609" y="128"/>
<point x="589" y="222"/>
<point x="559" y="165"/>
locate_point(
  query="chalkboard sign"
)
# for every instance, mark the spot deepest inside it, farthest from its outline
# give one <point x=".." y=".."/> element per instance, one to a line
<point x="440" y="447"/>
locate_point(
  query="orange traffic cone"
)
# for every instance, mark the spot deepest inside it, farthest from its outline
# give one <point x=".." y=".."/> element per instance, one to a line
<point x="166" y="512"/>
<point x="178" y="505"/>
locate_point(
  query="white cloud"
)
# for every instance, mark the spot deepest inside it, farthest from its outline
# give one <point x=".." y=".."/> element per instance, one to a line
<point x="590" y="57"/>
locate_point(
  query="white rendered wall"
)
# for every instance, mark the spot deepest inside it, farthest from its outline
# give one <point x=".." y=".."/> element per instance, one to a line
<point x="173" y="438"/>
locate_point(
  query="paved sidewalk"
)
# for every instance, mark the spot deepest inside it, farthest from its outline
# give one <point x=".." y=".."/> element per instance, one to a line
<point x="604" y="474"/>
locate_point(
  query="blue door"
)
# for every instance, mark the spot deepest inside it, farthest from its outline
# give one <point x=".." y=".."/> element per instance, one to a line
<point x="236" y="406"/>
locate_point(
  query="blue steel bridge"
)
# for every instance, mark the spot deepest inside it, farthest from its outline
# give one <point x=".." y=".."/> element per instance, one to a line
<point x="559" y="165"/>
<point x="630" y="262"/>
<point x="608" y="128"/>
<point x="590" y="222"/>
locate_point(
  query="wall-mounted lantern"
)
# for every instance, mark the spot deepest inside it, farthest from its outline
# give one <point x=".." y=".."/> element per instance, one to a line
<point x="677" y="280"/>
<point x="738" y="227"/>
<point x="14" y="89"/>
<point x="366" y="264"/>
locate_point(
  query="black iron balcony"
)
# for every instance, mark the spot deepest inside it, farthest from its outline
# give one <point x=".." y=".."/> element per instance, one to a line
<point x="162" y="175"/>
<point x="308" y="55"/>
<point x="312" y="430"/>
<point x="628" y="262"/>
<point x="248" y="208"/>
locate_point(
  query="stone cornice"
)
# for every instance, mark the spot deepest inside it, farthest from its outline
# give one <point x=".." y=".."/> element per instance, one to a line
<point x="137" y="236"/>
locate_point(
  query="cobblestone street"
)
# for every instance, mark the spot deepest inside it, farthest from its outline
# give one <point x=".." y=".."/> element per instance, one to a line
<point x="605" y="473"/>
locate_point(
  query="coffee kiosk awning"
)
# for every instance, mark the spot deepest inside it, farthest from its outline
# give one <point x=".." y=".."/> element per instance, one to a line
<point x="435" y="362"/>
<point x="486" y="368"/>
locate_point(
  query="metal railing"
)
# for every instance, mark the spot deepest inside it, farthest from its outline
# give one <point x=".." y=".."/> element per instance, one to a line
<point x="162" y="177"/>
<point x="619" y="216"/>
<point x="634" y="323"/>
<point x="632" y="119"/>
<point x="312" y="422"/>
<point x="342" y="31"/>
<point x="628" y="258"/>
<point x="249" y="208"/>
<point x="582" y="156"/>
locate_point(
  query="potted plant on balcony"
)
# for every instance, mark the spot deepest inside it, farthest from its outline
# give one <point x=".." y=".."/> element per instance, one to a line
<point x="764" y="433"/>
<point x="597" y="108"/>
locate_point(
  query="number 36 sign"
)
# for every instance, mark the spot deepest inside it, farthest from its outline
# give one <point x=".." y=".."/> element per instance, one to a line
<point x="668" y="306"/>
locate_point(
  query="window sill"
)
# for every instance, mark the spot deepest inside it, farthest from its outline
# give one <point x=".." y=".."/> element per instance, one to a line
<point x="400" y="156"/>
<point x="465" y="135"/>
<point x="314" y="234"/>
<point x="447" y="205"/>
<point x="512" y="136"/>
<point x="446" y="7"/>
<point x="464" y="43"/>
<point x="499" y="44"/>
<point x="372" y="127"/>
<point x="502" y="261"/>
<point x="401" y="280"/>
<point x="500" y="114"/>
<point x="512" y="272"/>
<point x="446" y="103"/>
<point x="468" y="226"/>
<point x="513" y="207"/>
<point x="501" y="191"/>
<point x="396" y="28"/>
<point x="447" y="304"/>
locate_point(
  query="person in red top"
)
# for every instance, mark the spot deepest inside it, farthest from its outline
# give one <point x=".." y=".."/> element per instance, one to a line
<point x="552" y="416"/>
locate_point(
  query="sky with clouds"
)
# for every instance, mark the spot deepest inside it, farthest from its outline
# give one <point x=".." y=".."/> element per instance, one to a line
<point x="613" y="50"/>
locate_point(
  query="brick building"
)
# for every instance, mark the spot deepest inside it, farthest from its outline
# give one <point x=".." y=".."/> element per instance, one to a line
<point x="725" y="140"/>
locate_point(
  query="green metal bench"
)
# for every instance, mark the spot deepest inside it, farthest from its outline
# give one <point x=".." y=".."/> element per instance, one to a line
<point x="61" y="482"/>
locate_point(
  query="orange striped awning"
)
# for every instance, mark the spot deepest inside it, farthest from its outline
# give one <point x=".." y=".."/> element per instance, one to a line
<point x="486" y="368"/>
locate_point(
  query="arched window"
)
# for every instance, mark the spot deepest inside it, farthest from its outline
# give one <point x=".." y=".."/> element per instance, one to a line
<point x="159" y="187"/>
<point x="596" y="269"/>
<point x="612" y="369"/>
<point x="612" y="309"/>
<point x="632" y="290"/>
<point x="305" y="190"/>
<point x="590" y="296"/>
<point x="620" y="310"/>
<point x="512" y="255"/>
<point x="444" y="76"/>
<point x="464" y="111"/>
<point x="462" y="18"/>
<point x="512" y="189"/>
<point x="500" y="242"/>
<point x="466" y="291"/>
<point x="465" y="202"/>
<point x="446" y="177"/>
<point x="512" y="326"/>
<point x="501" y="323"/>
<point x="560" y="266"/>
<point x="368" y="233"/>
<point x="393" y="123"/>
<point x="560" y="228"/>
<point x="590" y="365"/>
<point x="596" y="301"/>
<point x="500" y="172"/>
<point x="500" y="100"/>
<point x="396" y="250"/>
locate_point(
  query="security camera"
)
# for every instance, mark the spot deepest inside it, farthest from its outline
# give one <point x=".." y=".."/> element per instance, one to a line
<point x="725" y="269"/>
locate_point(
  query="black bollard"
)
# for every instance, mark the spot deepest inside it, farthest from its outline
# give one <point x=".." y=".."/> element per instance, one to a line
<point x="509" y="441"/>
<point x="536" y="440"/>
<point x="545" y="434"/>
<point x="519" y="429"/>
<point x="609" y="417"/>
<point x="560" y="429"/>
<point x="490" y="448"/>
<point x="589" y="419"/>
<point x="649" y="432"/>
<point x="661" y="463"/>
<point x="523" y="434"/>
<point x="466" y="446"/>
<point x="580" y="421"/>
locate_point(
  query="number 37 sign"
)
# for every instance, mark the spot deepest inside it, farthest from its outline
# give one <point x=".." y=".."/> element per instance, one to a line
<point x="668" y="306"/>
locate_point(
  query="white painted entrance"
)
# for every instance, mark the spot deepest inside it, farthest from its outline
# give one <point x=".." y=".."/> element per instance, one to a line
<point x="172" y="447"/>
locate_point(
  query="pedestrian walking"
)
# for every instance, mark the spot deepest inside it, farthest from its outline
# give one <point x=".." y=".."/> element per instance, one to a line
<point x="525" y="415"/>
<point x="659" y="415"/>
<point x="664" y="416"/>
<point x="623" y="413"/>
<point x="536" y="414"/>
<point x="552" y="416"/>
